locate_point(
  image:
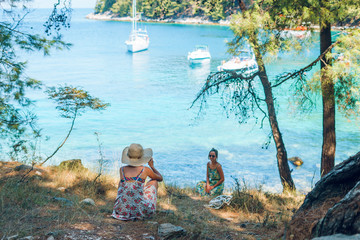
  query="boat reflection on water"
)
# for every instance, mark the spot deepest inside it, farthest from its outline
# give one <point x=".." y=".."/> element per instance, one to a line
<point x="199" y="72"/>
<point x="140" y="65"/>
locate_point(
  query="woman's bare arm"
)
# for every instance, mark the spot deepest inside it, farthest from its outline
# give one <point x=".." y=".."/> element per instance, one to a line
<point x="153" y="173"/>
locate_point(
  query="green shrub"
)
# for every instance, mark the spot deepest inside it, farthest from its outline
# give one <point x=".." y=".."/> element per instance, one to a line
<point x="71" y="165"/>
<point x="243" y="200"/>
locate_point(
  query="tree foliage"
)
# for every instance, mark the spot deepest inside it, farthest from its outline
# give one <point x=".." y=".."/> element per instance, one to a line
<point x="344" y="71"/>
<point x="122" y="8"/>
<point x="72" y="102"/>
<point x="18" y="127"/>
<point x="162" y="9"/>
<point x="262" y="27"/>
<point x="239" y="94"/>
<point x="337" y="79"/>
<point x="17" y="122"/>
<point x="342" y="56"/>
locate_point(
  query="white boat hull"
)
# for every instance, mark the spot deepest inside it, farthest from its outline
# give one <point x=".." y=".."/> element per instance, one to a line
<point x="199" y="60"/>
<point x="137" y="43"/>
<point x="246" y="67"/>
<point x="295" y="34"/>
<point x="200" y="55"/>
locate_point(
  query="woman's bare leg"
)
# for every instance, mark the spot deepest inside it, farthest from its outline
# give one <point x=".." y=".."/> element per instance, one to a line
<point x="154" y="183"/>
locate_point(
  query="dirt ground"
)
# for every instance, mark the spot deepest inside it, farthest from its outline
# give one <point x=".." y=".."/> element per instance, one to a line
<point x="27" y="209"/>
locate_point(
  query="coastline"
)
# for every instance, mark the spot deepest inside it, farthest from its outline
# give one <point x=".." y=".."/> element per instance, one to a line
<point x="107" y="16"/>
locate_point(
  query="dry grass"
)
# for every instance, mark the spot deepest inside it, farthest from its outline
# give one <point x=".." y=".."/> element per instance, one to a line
<point x="29" y="209"/>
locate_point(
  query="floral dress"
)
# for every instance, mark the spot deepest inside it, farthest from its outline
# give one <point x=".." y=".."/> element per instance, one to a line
<point x="134" y="200"/>
<point x="214" y="177"/>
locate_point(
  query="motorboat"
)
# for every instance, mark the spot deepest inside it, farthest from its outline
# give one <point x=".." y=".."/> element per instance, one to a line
<point x="245" y="63"/>
<point x="200" y="55"/>
<point x="295" y="34"/>
<point x="138" y="39"/>
<point x="299" y="32"/>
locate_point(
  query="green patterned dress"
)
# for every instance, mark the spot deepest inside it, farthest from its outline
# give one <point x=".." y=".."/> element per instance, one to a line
<point x="214" y="177"/>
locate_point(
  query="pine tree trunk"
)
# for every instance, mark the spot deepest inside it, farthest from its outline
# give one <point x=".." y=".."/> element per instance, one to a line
<point x="328" y="97"/>
<point x="242" y="5"/>
<point x="281" y="154"/>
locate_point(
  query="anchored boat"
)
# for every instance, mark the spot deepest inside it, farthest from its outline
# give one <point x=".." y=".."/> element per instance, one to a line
<point x="200" y="55"/>
<point x="138" y="39"/>
<point x="244" y="63"/>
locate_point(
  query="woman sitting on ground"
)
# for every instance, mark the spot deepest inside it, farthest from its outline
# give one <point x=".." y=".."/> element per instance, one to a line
<point x="214" y="184"/>
<point x="135" y="199"/>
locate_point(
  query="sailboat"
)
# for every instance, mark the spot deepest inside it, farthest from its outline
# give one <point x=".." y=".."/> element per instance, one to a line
<point x="138" y="39"/>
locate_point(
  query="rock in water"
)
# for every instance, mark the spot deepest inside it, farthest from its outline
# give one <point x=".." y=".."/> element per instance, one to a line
<point x="169" y="231"/>
<point x="296" y="161"/>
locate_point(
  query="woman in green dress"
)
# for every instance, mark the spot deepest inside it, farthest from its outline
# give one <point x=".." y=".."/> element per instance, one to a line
<point x="214" y="184"/>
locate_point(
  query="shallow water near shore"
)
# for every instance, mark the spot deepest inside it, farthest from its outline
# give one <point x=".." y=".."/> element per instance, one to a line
<point x="150" y="94"/>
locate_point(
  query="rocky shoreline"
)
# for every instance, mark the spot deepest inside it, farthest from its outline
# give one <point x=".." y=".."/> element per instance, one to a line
<point x="108" y="16"/>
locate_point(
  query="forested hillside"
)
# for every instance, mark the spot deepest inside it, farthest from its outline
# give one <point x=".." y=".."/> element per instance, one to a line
<point x="161" y="9"/>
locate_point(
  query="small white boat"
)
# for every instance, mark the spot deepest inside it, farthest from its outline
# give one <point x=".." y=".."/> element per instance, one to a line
<point x="245" y="63"/>
<point x="295" y="34"/>
<point x="200" y="55"/>
<point x="138" y="39"/>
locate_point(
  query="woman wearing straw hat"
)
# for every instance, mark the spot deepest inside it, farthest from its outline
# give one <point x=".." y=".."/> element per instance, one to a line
<point x="135" y="199"/>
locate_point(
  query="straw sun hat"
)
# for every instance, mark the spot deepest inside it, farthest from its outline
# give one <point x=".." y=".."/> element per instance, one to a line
<point x="135" y="155"/>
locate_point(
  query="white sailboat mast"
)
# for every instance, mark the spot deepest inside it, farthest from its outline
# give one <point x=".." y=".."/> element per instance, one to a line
<point x="134" y="16"/>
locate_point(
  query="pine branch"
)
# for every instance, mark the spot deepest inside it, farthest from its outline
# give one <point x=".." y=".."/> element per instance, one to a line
<point x="229" y="76"/>
<point x="287" y="76"/>
<point x="62" y="144"/>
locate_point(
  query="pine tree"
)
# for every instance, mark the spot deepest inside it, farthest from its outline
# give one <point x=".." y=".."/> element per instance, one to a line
<point x="17" y="122"/>
<point x="337" y="80"/>
<point x="259" y="27"/>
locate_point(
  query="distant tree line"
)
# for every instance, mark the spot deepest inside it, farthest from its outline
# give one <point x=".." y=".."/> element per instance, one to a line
<point x="161" y="9"/>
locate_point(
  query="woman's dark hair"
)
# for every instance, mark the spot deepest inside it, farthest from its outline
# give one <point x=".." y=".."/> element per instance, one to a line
<point x="214" y="150"/>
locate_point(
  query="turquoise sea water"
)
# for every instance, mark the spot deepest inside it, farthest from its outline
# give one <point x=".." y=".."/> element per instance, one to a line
<point x="150" y="94"/>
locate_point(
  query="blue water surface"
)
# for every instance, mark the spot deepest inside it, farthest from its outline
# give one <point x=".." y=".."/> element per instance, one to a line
<point x="150" y="94"/>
